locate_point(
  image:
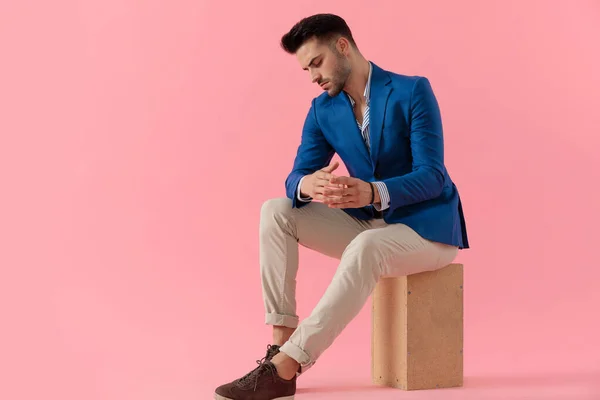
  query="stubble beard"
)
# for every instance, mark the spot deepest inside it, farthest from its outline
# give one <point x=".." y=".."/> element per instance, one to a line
<point x="341" y="73"/>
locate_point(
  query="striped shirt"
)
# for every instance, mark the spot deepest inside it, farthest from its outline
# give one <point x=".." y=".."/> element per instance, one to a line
<point x="366" y="135"/>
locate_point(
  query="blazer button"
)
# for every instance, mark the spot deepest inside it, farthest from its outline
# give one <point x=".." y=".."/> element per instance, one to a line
<point x="377" y="176"/>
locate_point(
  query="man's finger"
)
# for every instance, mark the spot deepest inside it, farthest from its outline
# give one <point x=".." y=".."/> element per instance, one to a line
<point x="345" y="204"/>
<point x="329" y="191"/>
<point x="326" y="182"/>
<point x="331" y="167"/>
<point x="324" y="175"/>
<point x="343" y="180"/>
<point x="337" y="191"/>
<point x="320" y="190"/>
<point x="322" y="182"/>
<point x="334" y="199"/>
<point x="327" y="199"/>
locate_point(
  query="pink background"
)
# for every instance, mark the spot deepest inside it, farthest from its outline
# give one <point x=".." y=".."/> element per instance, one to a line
<point x="140" y="138"/>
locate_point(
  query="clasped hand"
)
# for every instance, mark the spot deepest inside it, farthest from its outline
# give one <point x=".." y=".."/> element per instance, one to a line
<point x="338" y="191"/>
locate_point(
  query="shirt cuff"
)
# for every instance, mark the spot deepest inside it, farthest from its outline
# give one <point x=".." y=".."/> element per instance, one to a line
<point x="384" y="196"/>
<point x="298" y="195"/>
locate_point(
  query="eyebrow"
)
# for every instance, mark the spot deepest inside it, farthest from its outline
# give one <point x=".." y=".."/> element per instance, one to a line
<point x="311" y="61"/>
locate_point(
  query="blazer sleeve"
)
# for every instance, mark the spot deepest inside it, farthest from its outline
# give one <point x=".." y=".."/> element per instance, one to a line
<point x="426" y="180"/>
<point x="314" y="153"/>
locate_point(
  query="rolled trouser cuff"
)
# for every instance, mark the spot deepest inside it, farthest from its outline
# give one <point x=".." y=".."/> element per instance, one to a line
<point x="288" y="321"/>
<point x="295" y="352"/>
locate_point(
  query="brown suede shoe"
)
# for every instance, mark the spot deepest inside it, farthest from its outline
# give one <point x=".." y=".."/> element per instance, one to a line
<point x="272" y="350"/>
<point x="262" y="383"/>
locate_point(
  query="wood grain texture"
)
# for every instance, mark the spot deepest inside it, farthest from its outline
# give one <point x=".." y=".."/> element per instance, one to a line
<point x="417" y="330"/>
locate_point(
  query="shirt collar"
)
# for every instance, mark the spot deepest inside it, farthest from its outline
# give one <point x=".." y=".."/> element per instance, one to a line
<point x="367" y="92"/>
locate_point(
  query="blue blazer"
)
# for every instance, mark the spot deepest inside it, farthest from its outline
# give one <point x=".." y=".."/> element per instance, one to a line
<point x="407" y="154"/>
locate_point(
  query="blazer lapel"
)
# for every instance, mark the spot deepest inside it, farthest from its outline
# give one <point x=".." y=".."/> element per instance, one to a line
<point x="380" y="92"/>
<point x="346" y="121"/>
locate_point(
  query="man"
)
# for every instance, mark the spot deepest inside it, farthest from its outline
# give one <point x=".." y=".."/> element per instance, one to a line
<point x="398" y="213"/>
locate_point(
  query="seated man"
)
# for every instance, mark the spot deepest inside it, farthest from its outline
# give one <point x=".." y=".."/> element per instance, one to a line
<point x="398" y="213"/>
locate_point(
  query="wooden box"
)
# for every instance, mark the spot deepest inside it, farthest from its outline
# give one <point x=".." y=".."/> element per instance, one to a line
<point x="417" y="330"/>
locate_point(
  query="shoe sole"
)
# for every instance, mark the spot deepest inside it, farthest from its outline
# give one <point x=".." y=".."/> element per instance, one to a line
<point x="219" y="397"/>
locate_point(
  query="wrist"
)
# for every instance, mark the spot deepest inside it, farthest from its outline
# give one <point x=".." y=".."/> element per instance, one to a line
<point x="376" y="196"/>
<point x="304" y="185"/>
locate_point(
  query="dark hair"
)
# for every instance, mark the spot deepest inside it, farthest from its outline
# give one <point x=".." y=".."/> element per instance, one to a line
<point x="322" y="26"/>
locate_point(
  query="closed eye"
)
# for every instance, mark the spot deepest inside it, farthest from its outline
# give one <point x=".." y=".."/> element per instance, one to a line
<point x="312" y="62"/>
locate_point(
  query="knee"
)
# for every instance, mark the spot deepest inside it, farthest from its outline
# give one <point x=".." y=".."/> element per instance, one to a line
<point x="275" y="212"/>
<point x="364" y="243"/>
<point x="365" y="252"/>
<point x="274" y="207"/>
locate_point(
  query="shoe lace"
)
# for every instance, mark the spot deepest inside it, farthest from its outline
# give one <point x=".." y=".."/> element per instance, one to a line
<point x="253" y="376"/>
<point x="271" y="349"/>
<point x="263" y="367"/>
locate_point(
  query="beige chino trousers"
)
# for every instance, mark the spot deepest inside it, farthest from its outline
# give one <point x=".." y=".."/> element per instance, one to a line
<point x="367" y="250"/>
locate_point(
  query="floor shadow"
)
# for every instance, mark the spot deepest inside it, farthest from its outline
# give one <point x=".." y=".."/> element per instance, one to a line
<point x="339" y="388"/>
<point x="552" y="379"/>
<point x="588" y="379"/>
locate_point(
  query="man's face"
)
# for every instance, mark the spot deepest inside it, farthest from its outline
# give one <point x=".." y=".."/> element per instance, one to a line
<point x="327" y="65"/>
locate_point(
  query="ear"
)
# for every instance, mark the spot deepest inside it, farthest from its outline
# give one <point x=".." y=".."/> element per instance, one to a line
<point x="343" y="45"/>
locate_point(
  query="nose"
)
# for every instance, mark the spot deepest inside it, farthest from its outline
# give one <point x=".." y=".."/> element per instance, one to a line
<point x="316" y="77"/>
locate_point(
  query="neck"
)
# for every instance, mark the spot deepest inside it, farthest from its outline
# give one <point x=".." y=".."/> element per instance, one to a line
<point x="357" y="81"/>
